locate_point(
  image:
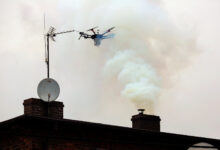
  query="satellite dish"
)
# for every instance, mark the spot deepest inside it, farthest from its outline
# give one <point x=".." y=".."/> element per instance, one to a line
<point x="48" y="89"/>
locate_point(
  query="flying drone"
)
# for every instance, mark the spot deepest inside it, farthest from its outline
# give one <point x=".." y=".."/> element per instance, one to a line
<point x="96" y="36"/>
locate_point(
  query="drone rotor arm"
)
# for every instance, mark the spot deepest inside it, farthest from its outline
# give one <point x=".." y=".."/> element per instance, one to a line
<point x="109" y="30"/>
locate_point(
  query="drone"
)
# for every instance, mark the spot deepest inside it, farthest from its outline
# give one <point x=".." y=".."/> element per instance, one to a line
<point x="96" y="37"/>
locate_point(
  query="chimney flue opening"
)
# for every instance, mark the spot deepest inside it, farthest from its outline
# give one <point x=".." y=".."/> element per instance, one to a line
<point x="141" y="111"/>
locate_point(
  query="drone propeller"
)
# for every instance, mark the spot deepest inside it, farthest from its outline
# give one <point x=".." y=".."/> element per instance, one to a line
<point x="110" y="29"/>
<point x="92" y="28"/>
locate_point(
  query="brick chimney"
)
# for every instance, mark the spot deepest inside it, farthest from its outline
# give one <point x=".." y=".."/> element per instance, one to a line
<point x="146" y="122"/>
<point x="38" y="107"/>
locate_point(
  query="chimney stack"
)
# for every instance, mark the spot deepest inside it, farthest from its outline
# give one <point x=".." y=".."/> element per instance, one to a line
<point x="146" y="122"/>
<point x="37" y="107"/>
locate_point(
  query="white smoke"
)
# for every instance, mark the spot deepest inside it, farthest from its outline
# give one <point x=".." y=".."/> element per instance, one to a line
<point x="141" y="83"/>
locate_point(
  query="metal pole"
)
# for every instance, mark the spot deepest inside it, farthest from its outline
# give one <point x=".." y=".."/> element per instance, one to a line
<point x="48" y="57"/>
<point x="48" y="69"/>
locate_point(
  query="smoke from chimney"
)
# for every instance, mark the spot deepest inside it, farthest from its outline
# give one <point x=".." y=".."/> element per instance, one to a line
<point x="141" y="83"/>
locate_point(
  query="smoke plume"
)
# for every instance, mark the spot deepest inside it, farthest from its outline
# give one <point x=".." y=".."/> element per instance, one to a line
<point x="141" y="83"/>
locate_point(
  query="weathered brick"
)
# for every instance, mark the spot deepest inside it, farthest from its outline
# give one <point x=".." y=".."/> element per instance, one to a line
<point x="37" y="107"/>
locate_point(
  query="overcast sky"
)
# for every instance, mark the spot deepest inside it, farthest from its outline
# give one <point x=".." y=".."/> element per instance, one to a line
<point x="190" y="83"/>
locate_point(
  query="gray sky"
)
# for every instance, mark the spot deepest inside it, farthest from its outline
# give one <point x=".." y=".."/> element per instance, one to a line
<point x="189" y="101"/>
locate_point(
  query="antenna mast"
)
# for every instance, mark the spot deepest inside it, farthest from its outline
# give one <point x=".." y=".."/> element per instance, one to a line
<point x="48" y="57"/>
<point x="50" y="35"/>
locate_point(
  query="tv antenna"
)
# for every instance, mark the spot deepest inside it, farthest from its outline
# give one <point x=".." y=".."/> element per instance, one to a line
<point x="50" y="35"/>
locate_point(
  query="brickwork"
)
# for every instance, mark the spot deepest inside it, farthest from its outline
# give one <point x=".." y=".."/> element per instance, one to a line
<point x="15" y="143"/>
<point x="30" y="143"/>
<point x="37" y="107"/>
<point x="55" y="110"/>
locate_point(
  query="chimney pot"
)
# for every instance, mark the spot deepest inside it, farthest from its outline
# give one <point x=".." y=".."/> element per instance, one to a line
<point x="146" y="122"/>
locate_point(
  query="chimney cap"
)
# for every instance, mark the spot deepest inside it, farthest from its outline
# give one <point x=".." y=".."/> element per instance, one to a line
<point x="141" y="111"/>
